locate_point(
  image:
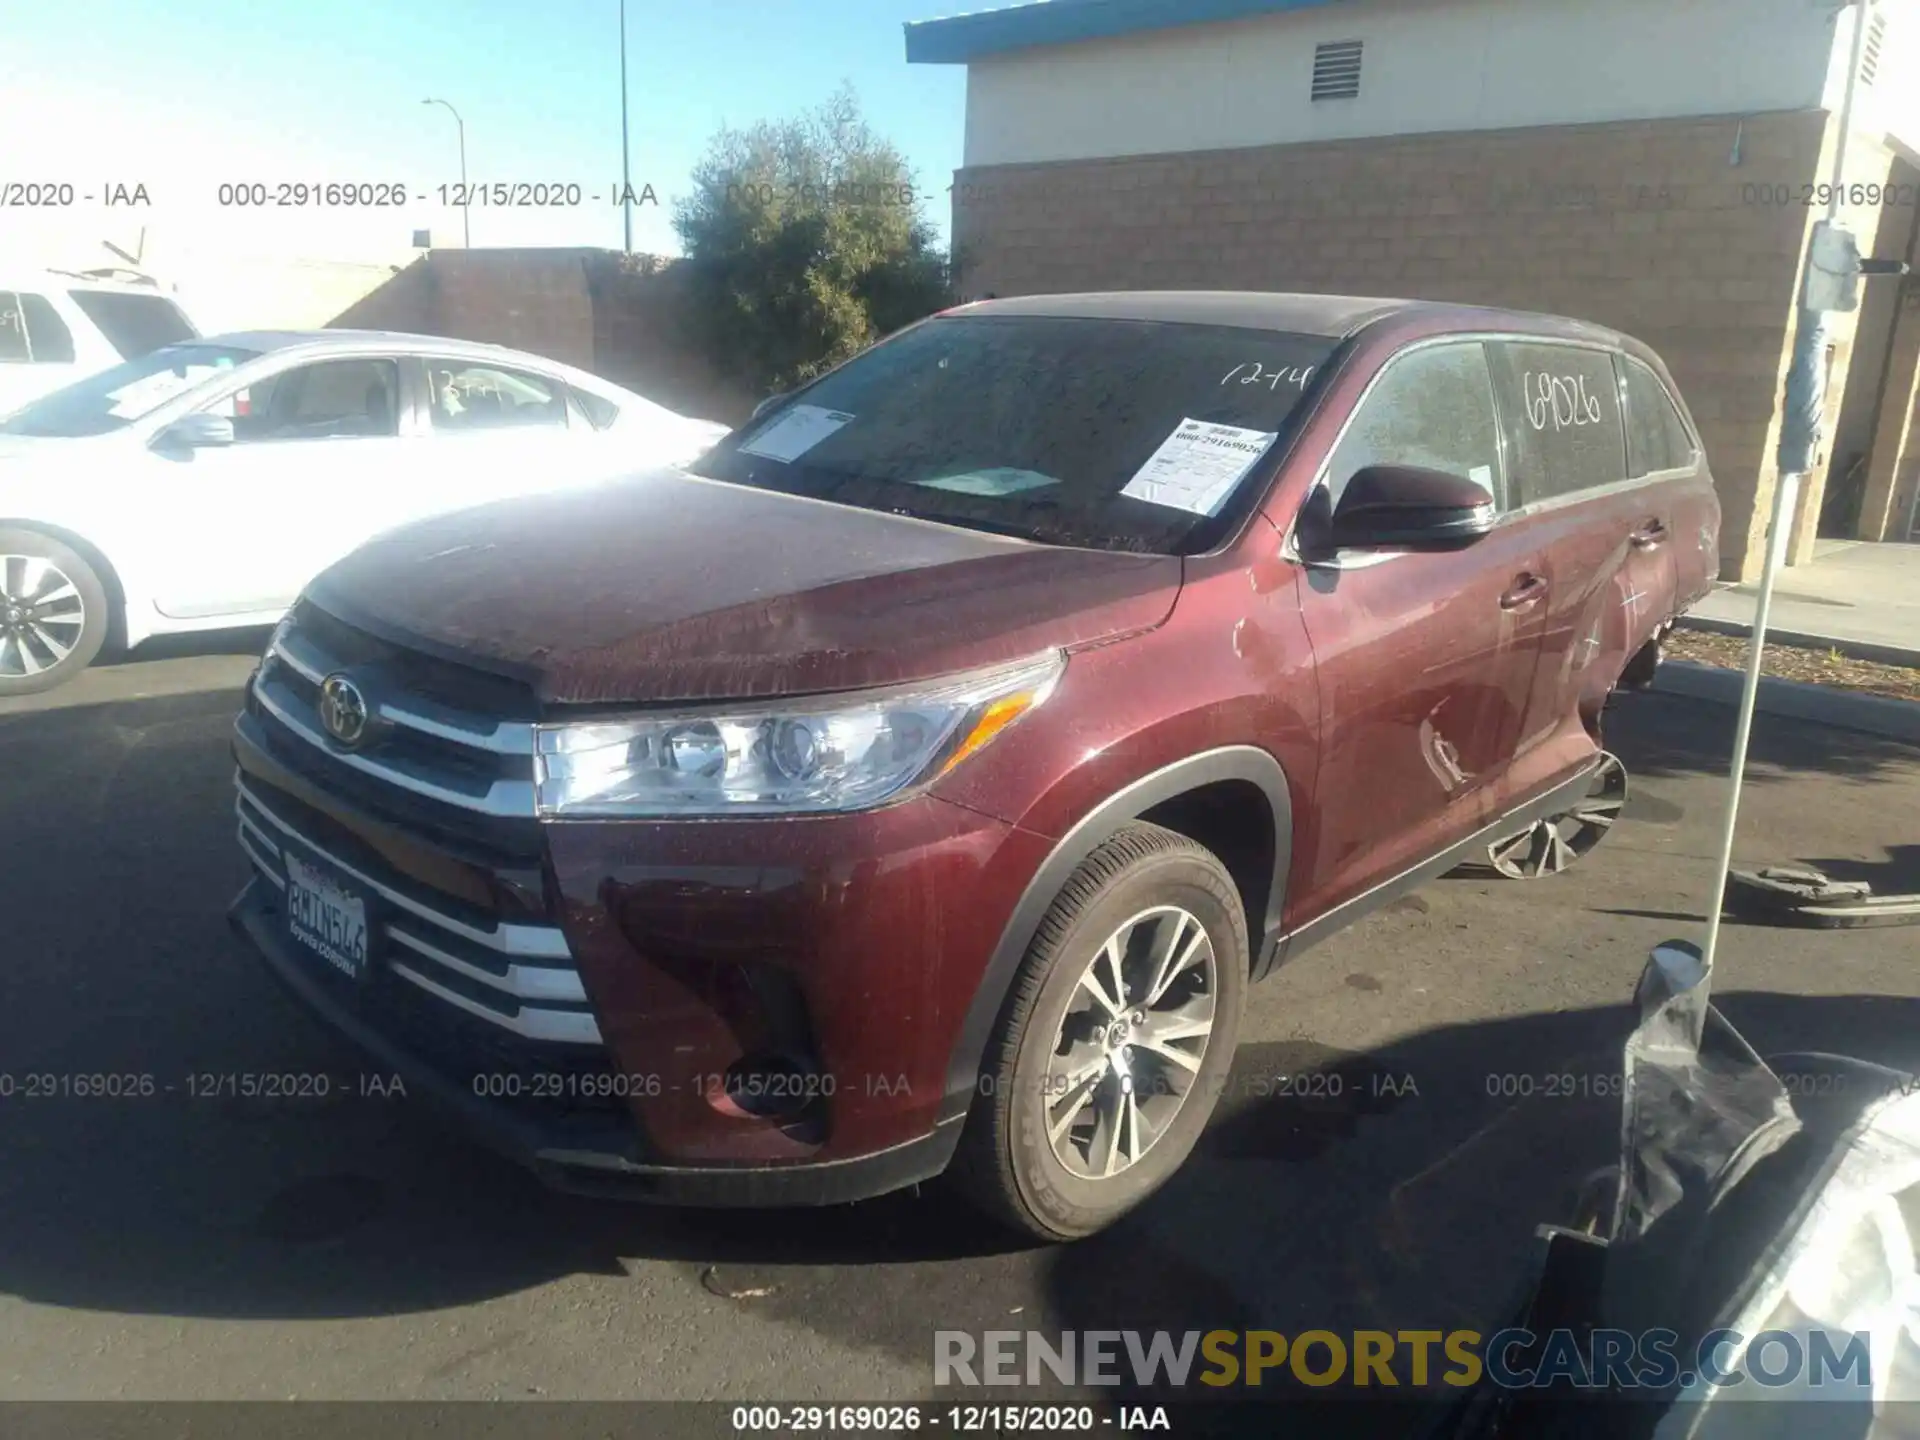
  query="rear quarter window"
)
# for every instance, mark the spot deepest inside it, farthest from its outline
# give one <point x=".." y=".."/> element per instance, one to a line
<point x="1561" y="404"/>
<point x="600" y="411"/>
<point x="1657" y="438"/>
<point x="134" y="325"/>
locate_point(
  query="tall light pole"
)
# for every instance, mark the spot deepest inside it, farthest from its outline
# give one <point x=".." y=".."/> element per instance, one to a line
<point x="626" y="176"/>
<point x="466" y="227"/>
<point x="1804" y="406"/>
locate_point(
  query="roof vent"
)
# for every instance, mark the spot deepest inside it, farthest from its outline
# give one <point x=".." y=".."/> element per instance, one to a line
<point x="1870" y="52"/>
<point x="1336" y="70"/>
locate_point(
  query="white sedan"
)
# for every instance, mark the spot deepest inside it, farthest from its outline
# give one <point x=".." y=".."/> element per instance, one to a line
<point x="199" y="487"/>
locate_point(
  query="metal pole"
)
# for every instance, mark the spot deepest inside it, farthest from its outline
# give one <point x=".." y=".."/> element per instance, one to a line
<point x="466" y="196"/>
<point x="1809" y="337"/>
<point x="626" y="175"/>
<point x="466" y="200"/>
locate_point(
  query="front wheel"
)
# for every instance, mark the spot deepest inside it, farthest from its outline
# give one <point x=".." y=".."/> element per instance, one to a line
<point x="1115" y="1042"/>
<point x="54" y="614"/>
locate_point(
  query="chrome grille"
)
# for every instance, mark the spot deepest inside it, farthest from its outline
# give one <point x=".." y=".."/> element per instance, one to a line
<point x="517" y="976"/>
<point x="442" y="753"/>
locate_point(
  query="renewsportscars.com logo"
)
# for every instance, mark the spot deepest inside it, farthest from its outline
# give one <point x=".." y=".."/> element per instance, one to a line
<point x="1820" y="1360"/>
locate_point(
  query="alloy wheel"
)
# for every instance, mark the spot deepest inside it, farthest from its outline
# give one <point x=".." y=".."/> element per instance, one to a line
<point x="42" y="615"/>
<point x="1130" y="1045"/>
<point x="1550" y="845"/>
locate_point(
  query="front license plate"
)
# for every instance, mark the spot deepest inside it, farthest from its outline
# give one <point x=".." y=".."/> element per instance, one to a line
<point x="327" y="917"/>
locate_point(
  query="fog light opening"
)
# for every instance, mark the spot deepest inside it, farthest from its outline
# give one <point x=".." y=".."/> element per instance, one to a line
<point x="768" y="1086"/>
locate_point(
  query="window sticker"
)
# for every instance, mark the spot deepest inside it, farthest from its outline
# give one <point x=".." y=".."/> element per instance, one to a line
<point x="993" y="482"/>
<point x="1198" y="466"/>
<point x="797" y="430"/>
<point x="151" y="391"/>
<point x="1482" y="475"/>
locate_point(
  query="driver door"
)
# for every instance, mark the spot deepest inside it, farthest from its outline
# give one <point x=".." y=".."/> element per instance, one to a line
<point x="317" y="465"/>
<point x="1426" y="659"/>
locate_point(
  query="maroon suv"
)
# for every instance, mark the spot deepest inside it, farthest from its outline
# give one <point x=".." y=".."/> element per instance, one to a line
<point x="917" y="782"/>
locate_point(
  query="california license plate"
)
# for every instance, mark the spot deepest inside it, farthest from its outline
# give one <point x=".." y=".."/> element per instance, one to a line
<point x="327" y="917"/>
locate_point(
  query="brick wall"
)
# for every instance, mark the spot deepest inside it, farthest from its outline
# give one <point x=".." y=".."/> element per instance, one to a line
<point x="1644" y="226"/>
<point x="1893" y="474"/>
<point x="582" y="307"/>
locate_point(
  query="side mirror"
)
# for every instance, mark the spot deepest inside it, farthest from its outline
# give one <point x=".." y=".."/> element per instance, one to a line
<point x="767" y="404"/>
<point x="195" y="432"/>
<point x="1409" y="507"/>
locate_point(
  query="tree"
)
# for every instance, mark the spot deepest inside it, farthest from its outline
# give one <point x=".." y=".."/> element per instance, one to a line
<point x="805" y="242"/>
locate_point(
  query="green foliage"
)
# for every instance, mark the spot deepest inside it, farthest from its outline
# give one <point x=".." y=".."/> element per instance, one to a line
<point x="805" y="242"/>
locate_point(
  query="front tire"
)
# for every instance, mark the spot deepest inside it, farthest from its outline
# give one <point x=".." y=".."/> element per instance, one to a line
<point x="54" y="613"/>
<point x="1114" y="1044"/>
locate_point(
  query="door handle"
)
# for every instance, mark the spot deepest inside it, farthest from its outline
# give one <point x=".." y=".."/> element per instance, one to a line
<point x="1649" y="535"/>
<point x="1525" y="590"/>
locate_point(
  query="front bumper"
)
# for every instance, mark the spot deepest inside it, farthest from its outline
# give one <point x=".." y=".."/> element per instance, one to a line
<point x="575" y="992"/>
<point x="600" y="1155"/>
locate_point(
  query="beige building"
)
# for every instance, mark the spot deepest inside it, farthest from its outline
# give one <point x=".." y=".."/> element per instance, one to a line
<point x="1653" y="165"/>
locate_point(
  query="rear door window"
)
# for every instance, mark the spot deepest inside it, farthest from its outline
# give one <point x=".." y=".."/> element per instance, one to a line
<point x="52" y="341"/>
<point x="1657" y="438"/>
<point x="486" y="397"/>
<point x="1561" y="405"/>
<point x="1432" y="408"/>
<point x="14" y="348"/>
<point x="135" y="325"/>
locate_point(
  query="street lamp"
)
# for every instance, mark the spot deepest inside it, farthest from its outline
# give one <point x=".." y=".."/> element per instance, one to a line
<point x="466" y="228"/>
<point x="626" y="175"/>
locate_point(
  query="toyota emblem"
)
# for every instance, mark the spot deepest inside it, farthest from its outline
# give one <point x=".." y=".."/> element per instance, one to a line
<point x="343" y="710"/>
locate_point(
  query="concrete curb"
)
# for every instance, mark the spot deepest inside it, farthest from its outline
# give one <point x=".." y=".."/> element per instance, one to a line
<point x="1794" y="700"/>
<point x="1852" y="649"/>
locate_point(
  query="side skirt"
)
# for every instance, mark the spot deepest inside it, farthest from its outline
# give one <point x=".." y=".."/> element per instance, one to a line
<point x="1279" y="949"/>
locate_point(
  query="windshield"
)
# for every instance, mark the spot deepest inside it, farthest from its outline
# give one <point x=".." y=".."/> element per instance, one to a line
<point x="1110" y="434"/>
<point x="119" y="396"/>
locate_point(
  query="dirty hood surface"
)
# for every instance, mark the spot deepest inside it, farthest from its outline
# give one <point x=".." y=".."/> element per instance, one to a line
<point x="670" y="587"/>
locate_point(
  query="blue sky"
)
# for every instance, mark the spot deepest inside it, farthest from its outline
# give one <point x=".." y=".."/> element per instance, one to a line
<point x="182" y="97"/>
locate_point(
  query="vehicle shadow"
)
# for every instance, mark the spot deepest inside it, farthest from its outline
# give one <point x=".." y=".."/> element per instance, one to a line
<point x="1676" y="735"/>
<point x="243" y="640"/>
<point x="1898" y="874"/>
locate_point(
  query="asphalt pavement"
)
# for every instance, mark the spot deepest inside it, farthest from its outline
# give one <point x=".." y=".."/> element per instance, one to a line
<point x="1410" y="1100"/>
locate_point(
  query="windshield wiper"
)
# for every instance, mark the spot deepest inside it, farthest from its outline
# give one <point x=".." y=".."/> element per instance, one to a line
<point x="968" y="522"/>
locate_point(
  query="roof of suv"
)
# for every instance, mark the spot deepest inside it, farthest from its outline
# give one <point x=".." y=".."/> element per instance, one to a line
<point x="1332" y="316"/>
<point x="35" y="277"/>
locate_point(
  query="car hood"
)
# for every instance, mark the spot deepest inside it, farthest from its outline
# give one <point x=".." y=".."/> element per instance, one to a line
<point x="26" y="447"/>
<point x="671" y="587"/>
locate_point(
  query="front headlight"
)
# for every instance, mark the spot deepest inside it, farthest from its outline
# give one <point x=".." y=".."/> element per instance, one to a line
<point x="818" y="754"/>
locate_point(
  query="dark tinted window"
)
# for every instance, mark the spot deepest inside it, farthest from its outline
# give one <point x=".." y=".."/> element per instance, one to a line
<point x="135" y="325"/>
<point x="1112" y="434"/>
<point x="330" y="400"/>
<point x="486" y="397"/>
<point x="1432" y="408"/>
<point x="13" y="330"/>
<point x="113" y="398"/>
<point x="47" y="333"/>
<point x="1657" y="437"/>
<point x="600" y="411"/>
<point x="1562" y="406"/>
